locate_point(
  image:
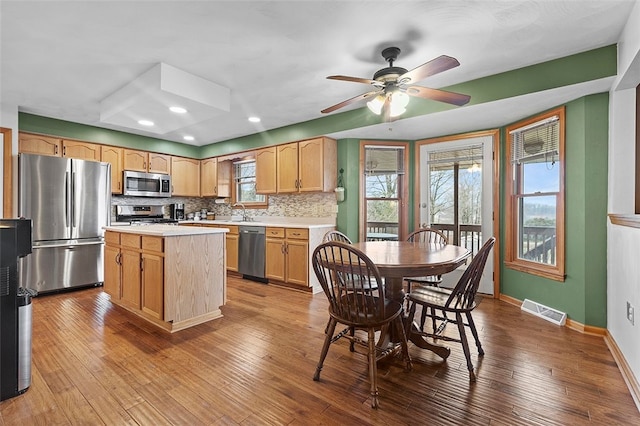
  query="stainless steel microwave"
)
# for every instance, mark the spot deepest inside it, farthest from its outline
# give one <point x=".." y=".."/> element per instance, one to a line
<point x="139" y="184"/>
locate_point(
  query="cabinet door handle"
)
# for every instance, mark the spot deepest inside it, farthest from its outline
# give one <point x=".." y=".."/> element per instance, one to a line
<point x="55" y="149"/>
<point x="299" y="183"/>
<point x="144" y="164"/>
<point x="142" y="264"/>
<point x="118" y="258"/>
<point x="64" y="151"/>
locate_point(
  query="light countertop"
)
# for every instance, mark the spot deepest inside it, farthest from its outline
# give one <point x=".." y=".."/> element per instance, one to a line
<point x="166" y="230"/>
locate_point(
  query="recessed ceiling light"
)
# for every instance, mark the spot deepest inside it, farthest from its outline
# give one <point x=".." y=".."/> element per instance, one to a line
<point x="254" y="119"/>
<point x="188" y="138"/>
<point x="177" y="110"/>
<point x="146" y="122"/>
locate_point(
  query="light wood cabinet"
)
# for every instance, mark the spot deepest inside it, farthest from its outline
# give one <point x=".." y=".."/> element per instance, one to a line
<point x="287" y="175"/>
<point x="307" y="166"/>
<point x="37" y="144"/>
<point x="152" y="276"/>
<point x="80" y="150"/>
<point x="297" y="253"/>
<point x="185" y="177"/>
<point x="113" y="156"/>
<point x="112" y="265"/>
<point x="232" y="239"/>
<point x="152" y="271"/>
<point x="135" y="160"/>
<point x="287" y="255"/>
<point x="143" y="161"/>
<point x="159" y="163"/>
<point x="131" y="261"/>
<point x="215" y="178"/>
<point x="266" y="170"/>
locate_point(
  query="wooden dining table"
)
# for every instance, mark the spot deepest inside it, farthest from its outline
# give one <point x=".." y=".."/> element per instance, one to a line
<point x="398" y="259"/>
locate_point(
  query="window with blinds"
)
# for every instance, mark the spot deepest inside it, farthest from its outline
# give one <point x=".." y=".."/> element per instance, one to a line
<point x="384" y="171"/>
<point x="535" y="211"/>
<point x="536" y="143"/>
<point x="384" y="160"/>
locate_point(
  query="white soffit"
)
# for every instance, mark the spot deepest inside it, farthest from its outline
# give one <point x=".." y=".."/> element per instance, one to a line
<point x="150" y="96"/>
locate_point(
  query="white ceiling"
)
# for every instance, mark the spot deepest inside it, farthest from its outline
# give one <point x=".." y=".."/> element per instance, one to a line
<point x="61" y="58"/>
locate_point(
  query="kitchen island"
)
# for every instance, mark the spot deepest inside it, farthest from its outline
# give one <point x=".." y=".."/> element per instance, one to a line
<point x="171" y="276"/>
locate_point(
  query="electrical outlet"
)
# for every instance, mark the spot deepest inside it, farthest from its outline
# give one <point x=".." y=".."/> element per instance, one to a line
<point x="334" y="208"/>
<point x="630" y="312"/>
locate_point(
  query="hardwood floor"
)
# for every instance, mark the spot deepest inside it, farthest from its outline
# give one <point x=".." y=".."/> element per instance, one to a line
<point x="94" y="363"/>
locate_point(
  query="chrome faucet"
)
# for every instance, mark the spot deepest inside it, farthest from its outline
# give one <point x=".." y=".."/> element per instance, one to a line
<point x="245" y="218"/>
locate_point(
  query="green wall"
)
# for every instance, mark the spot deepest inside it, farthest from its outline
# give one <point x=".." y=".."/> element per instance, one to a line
<point x="583" y="293"/>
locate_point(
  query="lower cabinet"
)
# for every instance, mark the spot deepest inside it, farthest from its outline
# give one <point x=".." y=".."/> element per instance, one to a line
<point x="287" y="255"/>
<point x="134" y="271"/>
<point x="233" y="238"/>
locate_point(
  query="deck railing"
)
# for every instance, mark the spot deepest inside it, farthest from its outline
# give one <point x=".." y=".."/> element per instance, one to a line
<point x="538" y="242"/>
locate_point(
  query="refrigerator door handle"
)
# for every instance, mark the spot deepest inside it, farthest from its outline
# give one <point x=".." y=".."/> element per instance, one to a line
<point x="73" y="198"/>
<point x="70" y="245"/>
<point x="66" y="200"/>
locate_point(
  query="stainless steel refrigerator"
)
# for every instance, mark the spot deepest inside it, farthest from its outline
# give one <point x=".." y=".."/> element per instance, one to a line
<point x="69" y="202"/>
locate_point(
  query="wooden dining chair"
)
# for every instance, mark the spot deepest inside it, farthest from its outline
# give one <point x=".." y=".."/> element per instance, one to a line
<point x="348" y="277"/>
<point x="336" y="236"/>
<point x="426" y="235"/>
<point x="449" y="306"/>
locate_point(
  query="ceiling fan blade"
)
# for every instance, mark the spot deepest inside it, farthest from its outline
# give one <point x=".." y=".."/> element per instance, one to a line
<point x="438" y="95"/>
<point x="434" y="66"/>
<point x="355" y="79"/>
<point x="350" y="101"/>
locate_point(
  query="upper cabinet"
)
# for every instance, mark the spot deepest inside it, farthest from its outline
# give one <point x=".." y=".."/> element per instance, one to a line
<point x="215" y="178"/>
<point x="143" y="161"/>
<point x="185" y="177"/>
<point x="29" y="143"/>
<point x="266" y="171"/>
<point x="41" y="145"/>
<point x="81" y="150"/>
<point x="113" y="156"/>
<point x="307" y="166"/>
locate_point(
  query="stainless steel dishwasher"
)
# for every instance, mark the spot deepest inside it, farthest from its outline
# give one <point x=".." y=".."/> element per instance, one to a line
<point x="251" y="252"/>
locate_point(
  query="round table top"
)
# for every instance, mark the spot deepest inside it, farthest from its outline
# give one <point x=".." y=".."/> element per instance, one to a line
<point x="397" y="259"/>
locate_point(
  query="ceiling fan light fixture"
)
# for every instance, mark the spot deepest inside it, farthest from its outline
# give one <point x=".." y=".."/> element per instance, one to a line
<point x="398" y="103"/>
<point x="376" y="104"/>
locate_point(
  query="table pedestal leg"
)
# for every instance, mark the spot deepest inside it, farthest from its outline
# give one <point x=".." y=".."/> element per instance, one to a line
<point x="394" y="291"/>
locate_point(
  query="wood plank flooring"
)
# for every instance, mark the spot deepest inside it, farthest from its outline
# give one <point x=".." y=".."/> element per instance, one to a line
<point x="94" y="363"/>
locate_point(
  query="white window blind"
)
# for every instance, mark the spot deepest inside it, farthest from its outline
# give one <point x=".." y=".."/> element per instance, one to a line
<point x="536" y="143"/>
<point x="384" y="160"/>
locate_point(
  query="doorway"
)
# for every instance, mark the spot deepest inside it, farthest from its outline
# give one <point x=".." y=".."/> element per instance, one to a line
<point x="456" y="196"/>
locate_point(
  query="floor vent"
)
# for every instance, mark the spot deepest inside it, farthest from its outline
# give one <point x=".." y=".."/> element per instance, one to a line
<point x="544" y="312"/>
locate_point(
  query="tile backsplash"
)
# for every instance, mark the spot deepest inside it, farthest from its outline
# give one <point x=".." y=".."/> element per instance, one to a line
<point x="283" y="205"/>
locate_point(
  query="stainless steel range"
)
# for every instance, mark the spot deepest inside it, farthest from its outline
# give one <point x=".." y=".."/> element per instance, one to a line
<point x="142" y="215"/>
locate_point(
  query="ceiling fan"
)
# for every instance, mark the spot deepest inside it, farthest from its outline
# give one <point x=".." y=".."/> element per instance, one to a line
<point x="391" y="86"/>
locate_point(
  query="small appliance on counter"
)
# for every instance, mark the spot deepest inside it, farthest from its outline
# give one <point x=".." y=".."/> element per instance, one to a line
<point x="142" y="215"/>
<point x="177" y="211"/>
<point x="15" y="309"/>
